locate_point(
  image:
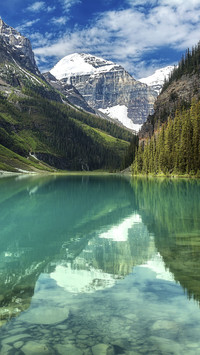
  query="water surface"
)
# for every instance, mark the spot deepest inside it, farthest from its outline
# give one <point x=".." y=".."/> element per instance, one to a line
<point x="99" y="265"/>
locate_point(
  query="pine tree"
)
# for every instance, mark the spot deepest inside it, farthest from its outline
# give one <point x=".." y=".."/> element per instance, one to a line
<point x="161" y="150"/>
<point x="185" y="154"/>
<point x="168" y="146"/>
<point x="177" y="126"/>
<point x="195" y="120"/>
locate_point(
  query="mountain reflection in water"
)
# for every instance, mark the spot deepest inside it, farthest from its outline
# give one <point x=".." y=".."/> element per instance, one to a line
<point x="67" y="242"/>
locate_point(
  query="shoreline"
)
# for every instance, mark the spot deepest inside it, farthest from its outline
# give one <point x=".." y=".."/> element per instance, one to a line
<point x="4" y="173"/>
<point x="126" y="172"/>
<point x="186" y="176"/>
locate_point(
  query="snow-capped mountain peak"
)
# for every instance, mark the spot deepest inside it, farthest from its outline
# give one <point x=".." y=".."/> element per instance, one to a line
<point x="157" y="79"/>
<point x="81" y="64"/>
<point x="107" y="87"/>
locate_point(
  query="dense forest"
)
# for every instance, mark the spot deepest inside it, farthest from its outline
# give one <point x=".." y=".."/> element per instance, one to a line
<point x="170" y="139"/>
<point x="177" y="93"/>
<point x="175" y="146"/>
<point x="130" y="153"/>
<point x="58" y="135"/>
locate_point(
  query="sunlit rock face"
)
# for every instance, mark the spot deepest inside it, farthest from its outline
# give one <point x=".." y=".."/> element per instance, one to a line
<point x="70" y="92"/>
<point x="105" y="86"/>
<point x="17" y="42"/>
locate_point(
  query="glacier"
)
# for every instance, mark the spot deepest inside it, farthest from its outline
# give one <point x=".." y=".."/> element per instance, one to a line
<point x="120" y="112"/>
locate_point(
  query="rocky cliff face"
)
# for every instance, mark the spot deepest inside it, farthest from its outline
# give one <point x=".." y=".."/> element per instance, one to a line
<point x="108" y="87"/>
<point x="70" y="92"/>
<point x="18" y="46"/>
<point x="15" y="39"/>
<point x="178" y="94"/>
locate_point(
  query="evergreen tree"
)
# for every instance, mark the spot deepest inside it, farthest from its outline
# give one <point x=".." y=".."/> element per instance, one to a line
<point x="185" y="154"/>
<point x="195" y="121"/>
<point x="174" y="148"/>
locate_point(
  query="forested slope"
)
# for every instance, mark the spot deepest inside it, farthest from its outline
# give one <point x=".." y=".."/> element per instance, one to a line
<point x="178" y="91"/>
<point x="170" y="139"/>
<point x="59" y="135"/>
<point x="174" y="148"/>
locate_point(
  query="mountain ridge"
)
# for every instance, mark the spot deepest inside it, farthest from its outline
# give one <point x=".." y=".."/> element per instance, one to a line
<point x="157" y="79"/>
<point x="70" y="65"/>
<point x="18" y="43"/>
<point x="107" y="86"/>
<point x="39" y="128"/>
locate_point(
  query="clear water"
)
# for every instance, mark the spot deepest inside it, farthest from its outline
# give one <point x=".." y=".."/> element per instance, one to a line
<point x="99" y="265"/>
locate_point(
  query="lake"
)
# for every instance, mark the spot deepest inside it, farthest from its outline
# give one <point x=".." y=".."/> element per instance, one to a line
<point x="99" y="265"/>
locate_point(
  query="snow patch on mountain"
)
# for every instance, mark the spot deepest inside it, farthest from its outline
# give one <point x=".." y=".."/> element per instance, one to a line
<point x="81" y="64"/>
<point x="120" y="112"/>
<point x="157" y="79"/>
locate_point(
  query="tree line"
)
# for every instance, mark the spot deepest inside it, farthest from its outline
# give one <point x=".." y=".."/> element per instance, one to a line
<point x="174" y="148"/>
<point x="189" y="64"/>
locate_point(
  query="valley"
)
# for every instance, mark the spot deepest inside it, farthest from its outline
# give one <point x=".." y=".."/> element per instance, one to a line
<point x="90" y="114"/>
<point x="99" y="177"/>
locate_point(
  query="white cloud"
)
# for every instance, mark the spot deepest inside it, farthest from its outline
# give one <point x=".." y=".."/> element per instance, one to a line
<point x="124" y="36"/>
<point x="136" y="3"/>
<point x="36" y="6"/>
<point x="26" y="25"/>
<point x="67" y="4"/>
<point x="50" y="8"/>
<point x="59" y="20"/>
<point x="39" y="39"/>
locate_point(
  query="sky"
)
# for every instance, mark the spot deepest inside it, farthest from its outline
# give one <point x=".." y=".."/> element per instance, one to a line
<point x="140" y="35"/>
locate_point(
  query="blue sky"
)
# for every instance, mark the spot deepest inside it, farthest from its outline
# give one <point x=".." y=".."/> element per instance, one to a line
<point x="140" y="35"/>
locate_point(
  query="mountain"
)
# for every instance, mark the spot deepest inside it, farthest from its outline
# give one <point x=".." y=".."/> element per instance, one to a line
<point x="178" y="91"/>
<point x="39" y="128"/>
<point x="74" y="97"/>
<point x="157" y="79"/>
<point x="106" y="86"/>
<point x="170" y="138"/>
<point x="19" y="46"/>
<point x="69" y="91"/>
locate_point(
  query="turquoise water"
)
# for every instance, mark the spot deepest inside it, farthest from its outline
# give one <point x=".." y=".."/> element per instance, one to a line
<point x="97" y="265"/>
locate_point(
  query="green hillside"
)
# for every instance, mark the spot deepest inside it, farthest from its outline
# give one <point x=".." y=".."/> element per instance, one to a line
<point x="40" y="129"/>
<point x="58" y="134"/>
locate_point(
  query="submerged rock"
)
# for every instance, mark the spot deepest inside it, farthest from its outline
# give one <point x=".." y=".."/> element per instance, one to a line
<point x="164" y="324"/>
<point x="68" y="349"/>
<point x="18" y="344"/>
<point x="5" y="350"/>
<point x="166" y="346"/>
<point x="34" y="348"/>
<point x="103" y="349"/>
<point x="14" y="338"/>
<point x="45" y="315"/>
